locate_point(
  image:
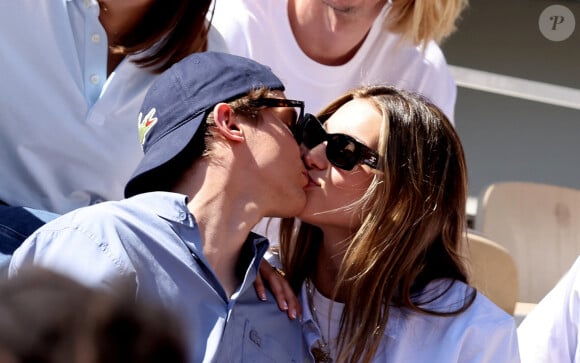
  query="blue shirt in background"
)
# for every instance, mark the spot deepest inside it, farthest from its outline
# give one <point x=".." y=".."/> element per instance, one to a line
<point x="68" y="132"/>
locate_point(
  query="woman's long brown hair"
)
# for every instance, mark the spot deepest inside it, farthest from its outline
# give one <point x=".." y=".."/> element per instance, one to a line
<point x="413" y="222"/>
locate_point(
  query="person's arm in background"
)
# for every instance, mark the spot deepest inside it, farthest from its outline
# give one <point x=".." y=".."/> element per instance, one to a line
<point x="549" y="333"/>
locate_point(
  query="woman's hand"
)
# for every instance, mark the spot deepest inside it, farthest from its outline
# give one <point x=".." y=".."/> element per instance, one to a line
<point x="279" y="287"/>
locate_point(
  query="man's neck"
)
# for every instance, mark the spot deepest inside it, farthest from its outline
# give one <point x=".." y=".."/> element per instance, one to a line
<point x="223" y="261"/>
<point x="331" y="35"/>
<point x="223" y="234"/>
<point x="224" y="219"/>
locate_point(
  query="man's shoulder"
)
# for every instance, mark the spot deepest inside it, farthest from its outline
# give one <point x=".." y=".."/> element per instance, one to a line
<point x="104" y="237"/>
<point x="105" y="222"/>
<point x="146" y="204"/>
<point x="105" y="213"/>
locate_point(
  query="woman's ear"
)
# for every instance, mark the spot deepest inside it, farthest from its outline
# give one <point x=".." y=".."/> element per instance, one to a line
<point x="227" y="124"/>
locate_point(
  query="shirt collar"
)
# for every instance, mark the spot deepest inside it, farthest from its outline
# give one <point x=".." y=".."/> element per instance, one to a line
<point x="173" y="207"/>
<point x="167" y="205"/>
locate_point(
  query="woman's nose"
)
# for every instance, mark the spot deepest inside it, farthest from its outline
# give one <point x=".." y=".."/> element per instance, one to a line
<point x="314" y="158"/>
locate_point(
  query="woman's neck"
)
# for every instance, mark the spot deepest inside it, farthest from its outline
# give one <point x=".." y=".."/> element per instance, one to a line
<point x="329" y="260"/>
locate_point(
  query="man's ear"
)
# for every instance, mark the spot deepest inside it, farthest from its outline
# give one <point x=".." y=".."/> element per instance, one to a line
<point x="226" y="123"/>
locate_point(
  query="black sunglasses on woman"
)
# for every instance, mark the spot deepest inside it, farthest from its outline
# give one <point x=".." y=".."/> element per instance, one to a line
<point x="342" y="151"/>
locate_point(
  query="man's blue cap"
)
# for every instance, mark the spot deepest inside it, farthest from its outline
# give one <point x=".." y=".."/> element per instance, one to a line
<point x="179" y="100"/>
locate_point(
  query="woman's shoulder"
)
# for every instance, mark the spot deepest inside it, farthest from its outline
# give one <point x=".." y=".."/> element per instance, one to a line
<point x="482" y="332"/>
<point x="446" y="295"/>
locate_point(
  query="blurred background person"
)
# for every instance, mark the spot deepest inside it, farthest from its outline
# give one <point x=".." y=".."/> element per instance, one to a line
<point x="74" y="75"/>
<point x="321" y="49"/>
<point x="550" y="332"/>
<point x="47" y="317"/>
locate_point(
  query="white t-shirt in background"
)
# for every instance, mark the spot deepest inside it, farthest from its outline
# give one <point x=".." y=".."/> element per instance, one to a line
<point x="261" y="30"/>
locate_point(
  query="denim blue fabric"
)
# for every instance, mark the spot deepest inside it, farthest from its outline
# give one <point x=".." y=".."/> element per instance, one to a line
<point x="16" y="224"/>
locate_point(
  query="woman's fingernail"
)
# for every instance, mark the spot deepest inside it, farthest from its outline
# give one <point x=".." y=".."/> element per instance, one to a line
<point x="293" y="314"/>
<point x="263" y="296"/>
<point x="284" y="305"/>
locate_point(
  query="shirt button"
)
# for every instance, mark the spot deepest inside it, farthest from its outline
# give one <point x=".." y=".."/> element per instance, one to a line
<point x="87" y="3"/>
<point x="255" y="337"/>
<point x="95" y="38"/>
<point x="94" y="79"/>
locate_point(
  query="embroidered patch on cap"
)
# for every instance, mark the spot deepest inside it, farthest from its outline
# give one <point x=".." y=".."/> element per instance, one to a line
<point x="145" y="124"/>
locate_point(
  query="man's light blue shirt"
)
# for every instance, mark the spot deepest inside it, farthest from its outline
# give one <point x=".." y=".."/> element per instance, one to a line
<point x="152" y="243"/>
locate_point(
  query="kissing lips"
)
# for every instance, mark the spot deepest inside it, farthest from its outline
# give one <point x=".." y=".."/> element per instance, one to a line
<point x="311" y="182"/>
